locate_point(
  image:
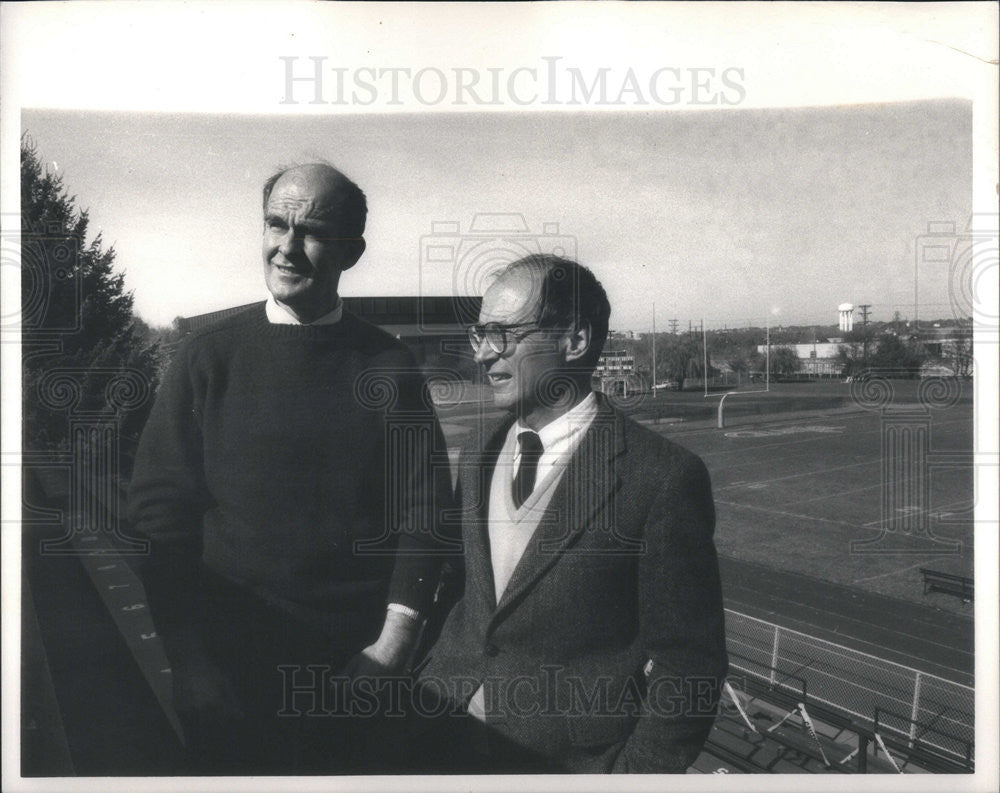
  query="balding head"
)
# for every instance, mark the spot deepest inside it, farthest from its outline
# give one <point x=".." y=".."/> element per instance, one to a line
<point x="314" y="218"/>
<point x="565" y="294"/>
<point x="340" y="199"/>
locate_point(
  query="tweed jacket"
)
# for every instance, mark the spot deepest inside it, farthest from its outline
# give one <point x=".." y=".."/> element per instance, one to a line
<point x="606" y="651"/>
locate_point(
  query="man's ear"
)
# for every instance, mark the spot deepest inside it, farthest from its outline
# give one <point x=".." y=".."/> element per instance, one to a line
<point x="578" y="342"/>
<point x="353" y="252"/>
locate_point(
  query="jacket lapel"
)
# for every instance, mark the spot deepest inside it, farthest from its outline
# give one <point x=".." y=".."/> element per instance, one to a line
<point x="476" y="475"/>
<point x="589" y="480"/>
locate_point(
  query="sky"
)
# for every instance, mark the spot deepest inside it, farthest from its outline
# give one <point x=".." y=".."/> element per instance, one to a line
<point x="732" y="216"/>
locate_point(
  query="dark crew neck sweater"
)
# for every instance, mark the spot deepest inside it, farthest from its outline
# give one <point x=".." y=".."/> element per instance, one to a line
<point x="293" y="461"/>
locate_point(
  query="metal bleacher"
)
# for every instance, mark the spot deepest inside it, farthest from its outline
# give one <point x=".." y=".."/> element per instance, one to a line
<point x="774" y="727"/>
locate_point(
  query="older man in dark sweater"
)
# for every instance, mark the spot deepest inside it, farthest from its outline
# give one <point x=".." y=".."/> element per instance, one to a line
<point x="287" y="541"/>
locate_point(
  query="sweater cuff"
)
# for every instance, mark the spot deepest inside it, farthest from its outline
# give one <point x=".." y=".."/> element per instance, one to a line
<point x="399" y="608"/>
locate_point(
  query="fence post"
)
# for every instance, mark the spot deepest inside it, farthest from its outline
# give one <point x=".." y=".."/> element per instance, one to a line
<point x="915" y="711"/>
<point x="774" y="656"/>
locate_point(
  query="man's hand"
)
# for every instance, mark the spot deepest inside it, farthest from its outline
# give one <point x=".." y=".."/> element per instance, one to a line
<point x="202" y="694"/>
<point x="389" y="654"/>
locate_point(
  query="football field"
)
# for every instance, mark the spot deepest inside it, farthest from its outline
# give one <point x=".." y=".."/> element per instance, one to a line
<point x="857" y="498"/>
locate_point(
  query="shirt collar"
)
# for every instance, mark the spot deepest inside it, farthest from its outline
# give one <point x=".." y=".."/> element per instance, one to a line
<point x="277" y="314"/>
<point x="574" y="421"/>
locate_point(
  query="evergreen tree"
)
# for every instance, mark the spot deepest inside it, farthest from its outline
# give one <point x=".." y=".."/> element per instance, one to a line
<point x="76" y="313"/>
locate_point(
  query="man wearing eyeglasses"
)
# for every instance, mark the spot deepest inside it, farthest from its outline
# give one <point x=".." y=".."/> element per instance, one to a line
<point x="590" y="633"/>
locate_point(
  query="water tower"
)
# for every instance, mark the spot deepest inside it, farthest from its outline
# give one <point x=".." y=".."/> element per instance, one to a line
<point x="846" y="317"/>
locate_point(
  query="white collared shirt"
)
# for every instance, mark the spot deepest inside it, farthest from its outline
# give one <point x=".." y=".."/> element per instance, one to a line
<point x="509" y="531"/>
<point x="559" y="437"/>
<point x="277" y="314"/>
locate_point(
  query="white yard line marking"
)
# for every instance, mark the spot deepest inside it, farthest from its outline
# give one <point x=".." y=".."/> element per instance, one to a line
<point x="946" y="509"/>
<point x="823" y="471"/>
<point x="835" y="495"/>
<point x="853" y="435"/>
<point x="788" y="514"/>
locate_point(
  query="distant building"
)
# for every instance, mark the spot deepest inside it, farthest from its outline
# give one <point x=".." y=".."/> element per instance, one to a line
<point x="615" y="372"/>
<point x="816" y="359"/>
<point x="948" y="350"/>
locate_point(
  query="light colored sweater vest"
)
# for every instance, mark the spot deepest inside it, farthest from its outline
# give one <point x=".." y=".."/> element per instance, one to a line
<point x="511" y="529"/>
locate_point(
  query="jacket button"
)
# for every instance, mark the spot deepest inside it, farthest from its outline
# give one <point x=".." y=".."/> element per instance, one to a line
<point x="491" y="650"/>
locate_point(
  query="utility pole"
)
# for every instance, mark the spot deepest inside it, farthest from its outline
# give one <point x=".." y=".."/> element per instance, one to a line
<point x="864" y="322"/>
<point x="673" y="326"/>
<point x="704" y="358"/>
<point x="654" y="350"/>
<point x="814" y="363"/>
<point x="767" y="354"/>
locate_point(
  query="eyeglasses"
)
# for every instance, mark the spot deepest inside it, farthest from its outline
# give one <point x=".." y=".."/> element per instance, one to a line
<point x="499" y="336"/>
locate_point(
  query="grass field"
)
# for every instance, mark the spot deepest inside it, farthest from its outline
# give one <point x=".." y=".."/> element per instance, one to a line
<point x="802" y="493"/>
<point x="798" y="481"/>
